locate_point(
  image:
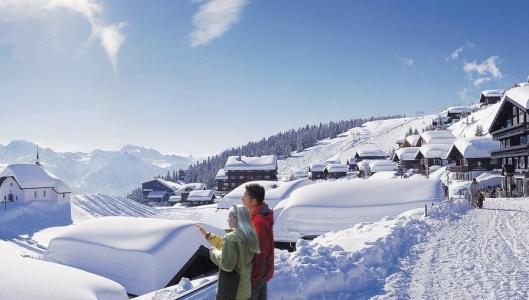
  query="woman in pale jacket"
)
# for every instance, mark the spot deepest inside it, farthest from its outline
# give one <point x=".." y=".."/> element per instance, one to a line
<point x="234" y="254"/>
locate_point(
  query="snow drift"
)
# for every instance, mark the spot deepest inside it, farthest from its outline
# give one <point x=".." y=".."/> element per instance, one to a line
<point x="327" y="206"/>
<point x="26" y="278"/>
<point x="142" y="254"/>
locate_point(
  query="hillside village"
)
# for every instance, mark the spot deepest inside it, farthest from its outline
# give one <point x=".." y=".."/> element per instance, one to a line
<point x="357" y="205"/>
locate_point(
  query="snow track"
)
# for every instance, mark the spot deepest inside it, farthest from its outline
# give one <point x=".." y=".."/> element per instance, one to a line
<point x="484" y="255"/>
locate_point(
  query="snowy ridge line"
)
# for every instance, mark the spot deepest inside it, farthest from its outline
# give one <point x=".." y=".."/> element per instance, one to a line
<point x="353" y="263"/>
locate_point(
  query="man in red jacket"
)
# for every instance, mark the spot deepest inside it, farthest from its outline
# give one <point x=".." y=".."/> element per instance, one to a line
<point x="263" y="220"/>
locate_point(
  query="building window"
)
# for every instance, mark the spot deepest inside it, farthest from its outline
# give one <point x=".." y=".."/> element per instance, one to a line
<point x="35" y="194"/>
<point x="509" y="161"/>
<point x="63" y="195"/>
<point x="241" y="177"/>
<point x="522" y="162"/>
<point x="479" y="163"/>
<point x="10" y="184"/>
<point x="44" y="194"/>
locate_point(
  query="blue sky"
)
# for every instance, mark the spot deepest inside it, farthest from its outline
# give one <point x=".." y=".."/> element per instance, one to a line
<point x="196" y="77"/>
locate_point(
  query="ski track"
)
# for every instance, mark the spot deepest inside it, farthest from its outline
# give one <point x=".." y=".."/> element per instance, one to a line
<point x="484" y="255"/>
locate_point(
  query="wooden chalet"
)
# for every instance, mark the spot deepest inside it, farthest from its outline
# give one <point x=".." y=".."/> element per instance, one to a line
<point x="471" y="157"/>
<point x="200" y="197"/>
<point x="370" y="154"/>
<point x="334" y="171"/>
<point x="353" y="166"/>
<point x="158" y="189"/>
<point x="222" y="186"/>
<point x="242" y="169"/>
<point x="407" y="157"/>
<point x="435" y="137"/>
<point x="317" y="171"/>
<point x="432" y="156"/>
<point x="489" y="97"/>
<point x="511" y="129"/>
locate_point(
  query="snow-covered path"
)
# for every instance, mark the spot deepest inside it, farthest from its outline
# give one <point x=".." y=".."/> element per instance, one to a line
<point x="483" y="255"/>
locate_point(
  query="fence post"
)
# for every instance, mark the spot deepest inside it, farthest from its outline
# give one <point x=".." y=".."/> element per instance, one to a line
<point x="426" y="210"/>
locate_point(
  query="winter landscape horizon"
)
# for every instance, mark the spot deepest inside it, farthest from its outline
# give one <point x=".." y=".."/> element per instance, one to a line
<point x="240" y="149"/>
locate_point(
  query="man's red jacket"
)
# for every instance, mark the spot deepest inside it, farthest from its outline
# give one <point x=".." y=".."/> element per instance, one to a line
<point x="263" y="263"/>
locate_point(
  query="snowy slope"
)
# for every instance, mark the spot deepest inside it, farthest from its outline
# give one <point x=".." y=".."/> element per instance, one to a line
<point x="100" y="205"/>
<point x="381" y="134"/>
<point x="482" y="117"/>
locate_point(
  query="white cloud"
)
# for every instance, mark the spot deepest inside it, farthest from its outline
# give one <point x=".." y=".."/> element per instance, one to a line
<point x="213" y="19"/>
<point x="407" y="61"/>
<point x="486" y="70"/>
<point x="456" y="53"/>
<point x="110" y="36"/>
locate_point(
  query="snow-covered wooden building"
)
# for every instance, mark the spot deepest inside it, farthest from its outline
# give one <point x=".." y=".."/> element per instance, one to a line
<point x="436" y="137"/>
<point x="222" y="186"/>
<point x="510" y="128"/>
<point x="335" y="171"/>
<point x="370" y="154"/>
<point x="432" y="156"/>
<point x="489" y="97"/>
<point x="411" y="140"/>
<point x="30" y="182"/>
<point x="200" y="197"/>
<point x="241" y="169"/>
<point x="472" y="157"/>
<point x="407" y="157"/>
<point x="317" y="171"/>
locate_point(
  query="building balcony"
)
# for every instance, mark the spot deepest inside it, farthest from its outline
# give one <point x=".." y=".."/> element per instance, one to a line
<point x="510" y="131"/>
<point x="459" y="169"/>
<point x="520" y="150"/>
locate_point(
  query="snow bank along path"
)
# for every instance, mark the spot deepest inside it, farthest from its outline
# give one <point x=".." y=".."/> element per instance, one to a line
<point x="484" y="255"/>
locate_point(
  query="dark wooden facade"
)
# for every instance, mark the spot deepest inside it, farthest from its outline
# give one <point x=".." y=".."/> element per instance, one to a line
<point x="155" y="185"/>
<point x="408" y="164"/>
<point x="511" y="129"/>
<point x="238" y="177"/>
<point x="334" y="175"/>
<point x="488" y="100"/>
<point x="222" y="185"/>
<point x="468" y="168"/>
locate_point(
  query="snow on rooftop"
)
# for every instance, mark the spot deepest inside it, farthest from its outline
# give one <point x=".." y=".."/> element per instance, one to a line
<point x="317" y="167"/>
<point x="371" y="153"/>
<point x="221" y="174"/>
<point x="156" y="194"/>
<point x="172" y="185"/>
<point x="34" y="176"/>
<point x="275" y="192"/>
<point x="142" y="254"/>
<point x="265" y="162"/>
<point x="331" y="205"/>
<point x="492" y="93"/>
<point x="382" y="165"/>
<point x="476" y="147"/>
<point x="200" y="195"/>
<point x="519" y="95"/>
<point x="28" y="278"/>
<point x="438" y="137"/>
<point x="412" y="139"/>
<point x="459" y="109"/>
<point x="407" y="153"/>
<point x="337" y="168"/>
<point x="435" y="150"/>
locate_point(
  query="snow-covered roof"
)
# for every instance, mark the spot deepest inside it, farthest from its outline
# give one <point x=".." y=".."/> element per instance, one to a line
<point x="435" y="150"/>
<point x="238" y="163"/>
<point x="458" y="109"/>
<point x="519" y="95"/>
<point x="34" y="176"/>
<point x="142" y="254"/>
<point x="200" y="195"/>
<point x="371" y="153"/>
<point x="407" y="153"/>
<point x="492" y="93"/>
<point x="412" y="139"/>
<point x="299" y="173"/>
<point x="156" y="194"/>
<point x="275" y="192"/>
<point x="172" y="185"/>
<point x="523" y="83"/>
<point x="438" y="137"/>
<point x="332" y="205"/>
<point x="29" y="278"/>
<point x="399" y="141"/>
<point x="333" y="161"/>
<point x="382" y="165"/>
<point x="221" y="174"/>
<point x="317" y="167"/>
<point x="476" y="147"/>
<point x="336" y="168"/>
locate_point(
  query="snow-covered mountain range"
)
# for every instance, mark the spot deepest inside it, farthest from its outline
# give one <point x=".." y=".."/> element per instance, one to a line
<point x="114" y="172"/>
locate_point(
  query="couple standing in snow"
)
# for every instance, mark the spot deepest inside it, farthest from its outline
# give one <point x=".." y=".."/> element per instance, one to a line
<point x="245" y="255"/>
